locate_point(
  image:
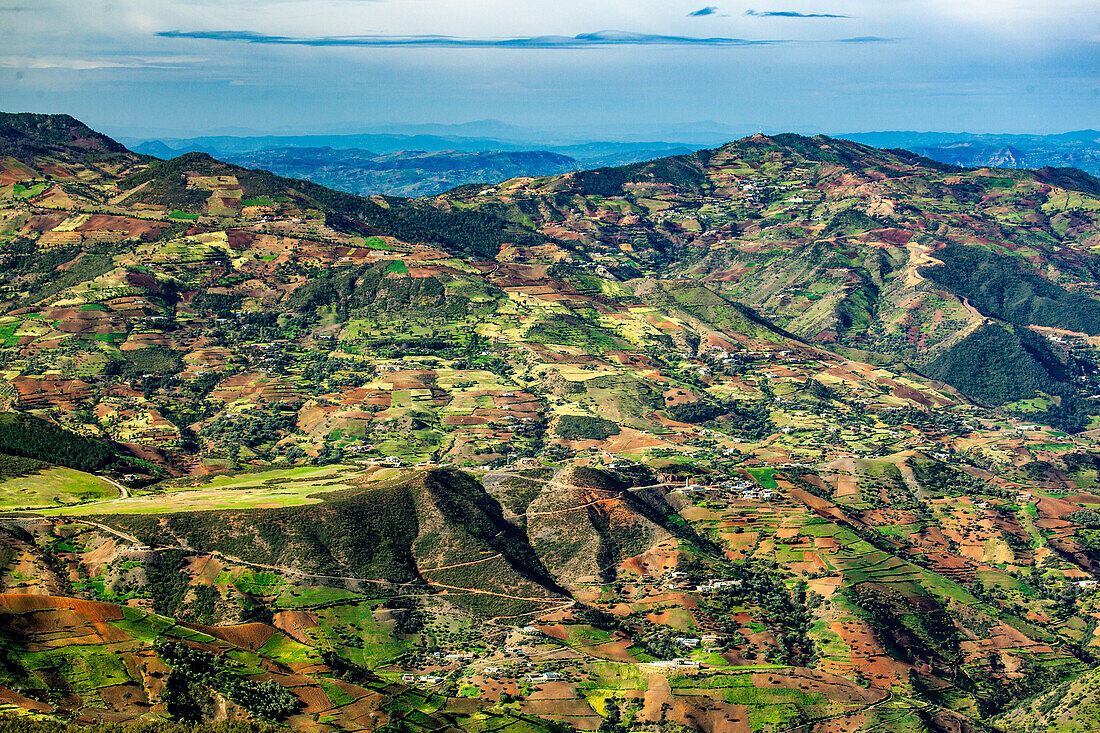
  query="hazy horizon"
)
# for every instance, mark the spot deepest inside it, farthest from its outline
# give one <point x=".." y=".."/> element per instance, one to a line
<point x="834" y="67"/>
<point x="675" y="133"/>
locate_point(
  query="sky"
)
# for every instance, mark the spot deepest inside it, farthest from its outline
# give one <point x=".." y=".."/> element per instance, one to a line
<point x="637" y="68"/>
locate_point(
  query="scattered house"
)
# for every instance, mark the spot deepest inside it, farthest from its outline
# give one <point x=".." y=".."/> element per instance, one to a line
<point x="712" y="585"/>
<point x="689" y="641"/>
<point x="544" y="677"/>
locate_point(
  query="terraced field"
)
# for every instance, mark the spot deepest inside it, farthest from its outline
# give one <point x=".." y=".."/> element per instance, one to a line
<point x="744" y="440"/>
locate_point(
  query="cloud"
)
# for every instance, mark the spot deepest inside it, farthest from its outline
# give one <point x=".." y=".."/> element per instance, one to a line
<point x="75" y="64"/>
<point x="582" y="40"/>
<point x="791" y="14"/>
<point x="709" y="10"/>
<point x="41" y="62"/>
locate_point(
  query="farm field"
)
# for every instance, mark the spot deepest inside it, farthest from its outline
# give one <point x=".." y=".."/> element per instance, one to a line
<point x="264" y="490"/>
<point x="739" y="441"/>
<point x="53" y="486"/>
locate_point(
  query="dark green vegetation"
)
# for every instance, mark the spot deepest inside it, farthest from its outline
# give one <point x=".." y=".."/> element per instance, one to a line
<point x="166" y="581"/>
<point x="585" y="427"/>
<point x="18" y="466"/>
<point x="195" y="669"/>
<point x="1000" y="364"/>
<point x="745" y="419"/>
<point x="1009" y="288"/>
<point x="30" y="437"/>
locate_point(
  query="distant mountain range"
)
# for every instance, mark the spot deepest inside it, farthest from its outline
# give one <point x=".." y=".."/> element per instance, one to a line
<point x="413" y="173"/>
<point x="1080" y="149"/>
<point x="406" y="165"/>
<point x="424" y="160"/>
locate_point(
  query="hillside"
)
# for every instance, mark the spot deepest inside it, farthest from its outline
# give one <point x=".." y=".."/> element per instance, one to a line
<point x="61" y="159"/>
<point x="790" y="433"/>
<point x="844" y="245"/>
<point x="398" y="532"/>
<point x="28" y="137"/>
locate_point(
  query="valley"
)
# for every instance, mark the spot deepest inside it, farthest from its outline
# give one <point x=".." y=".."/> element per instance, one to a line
<point x="792" y="434"/>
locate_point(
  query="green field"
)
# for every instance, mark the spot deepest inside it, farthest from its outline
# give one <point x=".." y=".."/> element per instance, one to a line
<point x="376" y="243"/>
<point x="7" y="335"/>
<point x="52" y="487"/>
<point x="305" y="597"/>
<point x="267" y="489"/>
<point x="22" y="192"/>
<point x="765" y="477"/>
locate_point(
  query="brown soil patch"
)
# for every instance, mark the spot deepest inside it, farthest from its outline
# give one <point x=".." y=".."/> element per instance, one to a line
<point x="295" y="624"/>
<point x="246" y="636"/>
<point x="91" y="611"/>
<point x="1057" y="508"/>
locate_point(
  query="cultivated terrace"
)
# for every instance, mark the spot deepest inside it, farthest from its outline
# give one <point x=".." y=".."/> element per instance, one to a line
<point x="794" y="434"/>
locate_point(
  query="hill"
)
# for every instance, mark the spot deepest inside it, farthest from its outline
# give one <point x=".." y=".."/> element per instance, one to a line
<point x="57" y="159"/>
<point x="26" y="135"/>
<point x="405" y="531"/>
<point x="195" y="185"/>
<point x="842" y="244"/>
<point x="789" y="433"/>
